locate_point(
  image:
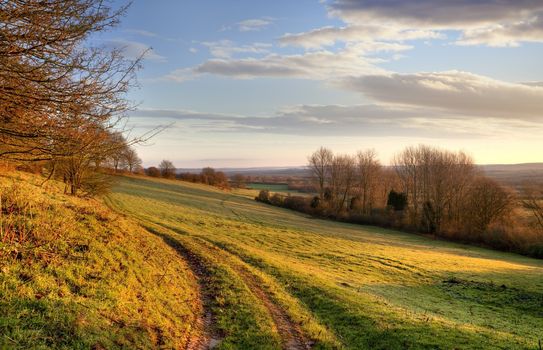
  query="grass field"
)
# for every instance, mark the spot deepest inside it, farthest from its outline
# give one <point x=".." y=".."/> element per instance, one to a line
<point x="275" y="188"/>
<point x="270" y="278"/>
<point x="86" y="277"/>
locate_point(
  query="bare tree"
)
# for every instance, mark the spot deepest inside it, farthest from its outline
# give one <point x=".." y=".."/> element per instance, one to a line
<point x="239" y="181"/>
<point x="368" y="173"/>
<point x="533" y="201"/>
<point x="342" y="178"/>
<point x="488" y="201"/>
<point x="50" y="83"/>
<point x="133" y="162"/>
<point x="167" y="169"/>
<point x="319" y="164"/>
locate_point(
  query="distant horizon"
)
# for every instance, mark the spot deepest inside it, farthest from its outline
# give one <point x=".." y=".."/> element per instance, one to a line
<point x="305" y="166"/>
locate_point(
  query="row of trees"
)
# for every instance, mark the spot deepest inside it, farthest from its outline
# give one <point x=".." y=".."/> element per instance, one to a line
<point x="426" y="189"/>
<point x="208" y="176"/>
<point x="62" y="102"/>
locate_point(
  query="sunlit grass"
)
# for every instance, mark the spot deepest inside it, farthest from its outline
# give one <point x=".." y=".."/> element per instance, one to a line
<point x="100" y="282"/>
<point x="368" y="287"/>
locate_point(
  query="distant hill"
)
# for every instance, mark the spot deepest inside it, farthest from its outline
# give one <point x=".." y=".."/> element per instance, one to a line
<point x="514" y="173"/>
<point x="507" y="173"/>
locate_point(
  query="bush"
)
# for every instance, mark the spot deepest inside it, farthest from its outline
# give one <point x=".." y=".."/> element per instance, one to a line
<point x="152" y="171"/>
<point x="277" y="200"/>
<point x="397" y="200"/>
<point x="263" y="196"/>
<point x="297" y="203"/>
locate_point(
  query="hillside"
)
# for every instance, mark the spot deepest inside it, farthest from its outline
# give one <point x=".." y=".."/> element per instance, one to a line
<point x="270" y="278"/>
<point x="76" y="275"/>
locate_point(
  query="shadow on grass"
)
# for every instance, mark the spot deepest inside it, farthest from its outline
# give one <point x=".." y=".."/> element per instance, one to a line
<point x="365" y="325"/>
<point x="49" y="324"/>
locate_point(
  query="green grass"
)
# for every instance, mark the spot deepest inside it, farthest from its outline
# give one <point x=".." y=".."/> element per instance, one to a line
<point x="96" y="280"/>
<point x="345" y="285"/>
<point x="274" y="188"/>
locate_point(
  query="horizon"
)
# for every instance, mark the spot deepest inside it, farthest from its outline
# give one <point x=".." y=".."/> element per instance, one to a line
<point x="255" y="84"/>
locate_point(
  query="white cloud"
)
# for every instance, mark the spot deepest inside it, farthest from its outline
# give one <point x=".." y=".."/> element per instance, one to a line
<point x="330" y="35"/>
<point x="454" y="92"/>
<point x="133" y="50"/>
<point x="481" y="22"/>
<point x="227" y="48"/>
<point x="313" y="65"/>
<point x="337" y="120"/>
<point x="510" y="34"/>
<point x="254" y="24"/>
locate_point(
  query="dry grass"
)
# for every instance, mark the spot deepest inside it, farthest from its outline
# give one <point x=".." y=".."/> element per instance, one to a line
<point x="361" y="287"/>
<point x="76" y="275"/>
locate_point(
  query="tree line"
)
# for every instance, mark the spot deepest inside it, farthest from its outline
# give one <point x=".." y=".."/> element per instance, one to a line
<point x="426" y="189"/>
<point x="63" y="102"/>
<point x="208" y="175"/>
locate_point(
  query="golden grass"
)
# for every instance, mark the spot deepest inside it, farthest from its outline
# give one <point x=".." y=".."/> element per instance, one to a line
<point x="362" y="287"/>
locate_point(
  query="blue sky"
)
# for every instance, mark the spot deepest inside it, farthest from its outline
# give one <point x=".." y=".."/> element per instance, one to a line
<point x="264" y="83"/>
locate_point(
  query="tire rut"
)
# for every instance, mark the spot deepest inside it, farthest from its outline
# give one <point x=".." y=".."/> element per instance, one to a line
<point x="292" y="337"/>
<point x="203" y="337"/>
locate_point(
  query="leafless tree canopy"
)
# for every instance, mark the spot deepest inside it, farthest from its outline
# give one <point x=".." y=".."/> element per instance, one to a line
<point x="60" y="99"/>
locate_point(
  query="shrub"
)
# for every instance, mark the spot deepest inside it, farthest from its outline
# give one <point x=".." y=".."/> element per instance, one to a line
<point x="263" y="196"/>
<point x="152" y="171"/>
<point x="277" y="200"/>
<point x="397" y="200"/>
<point x="297" y="203"/>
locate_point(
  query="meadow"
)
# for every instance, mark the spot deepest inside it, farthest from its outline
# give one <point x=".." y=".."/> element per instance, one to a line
<point x="270" y="278"/>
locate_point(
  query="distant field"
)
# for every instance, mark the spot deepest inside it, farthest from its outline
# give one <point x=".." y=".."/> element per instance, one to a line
<point x="276" y="188"/>
<point x="271" y="278"/>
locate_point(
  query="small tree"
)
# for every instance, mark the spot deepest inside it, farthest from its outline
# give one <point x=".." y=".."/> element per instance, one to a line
<point x="397" y="200"/>
<point x="133" y="162"/>
<point x="239" y="181"/>
<point x="167" y="169"/>
<point x="488" y="202"/>
<point x="152" y="171"/>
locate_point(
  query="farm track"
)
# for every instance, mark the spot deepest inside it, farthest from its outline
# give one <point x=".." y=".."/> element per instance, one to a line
<point x="292" y="337"/>
<point x="203" y="336"/>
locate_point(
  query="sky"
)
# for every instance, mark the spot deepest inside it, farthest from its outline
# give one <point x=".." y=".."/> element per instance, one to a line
<point x="252" y="83"/>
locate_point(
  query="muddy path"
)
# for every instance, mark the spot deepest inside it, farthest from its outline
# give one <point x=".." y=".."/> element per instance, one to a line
<point x="292" y="337"/>
<point x="203" y="335"/>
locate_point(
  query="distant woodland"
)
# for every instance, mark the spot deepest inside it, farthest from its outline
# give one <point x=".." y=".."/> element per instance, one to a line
<point x="426" y="190"/>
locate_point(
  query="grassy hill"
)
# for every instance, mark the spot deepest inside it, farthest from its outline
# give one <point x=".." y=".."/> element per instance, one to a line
<point x="76" y="275"/>
<point x="271" y="278"/>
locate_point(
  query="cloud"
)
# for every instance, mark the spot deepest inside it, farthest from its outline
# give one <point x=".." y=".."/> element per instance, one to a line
<point x="435" y="13"/>
<point x="337" y="120"/>
<point x="530" y="30"/>
<point x="315" y="65"/>
<point x="454" y="92"/>
<point x="227" y="48"/>
<point x="133" y="49"/>
<point x="254" y="24"/>
<point x="327" y="36"/>
<point x="142" y="32"/>
<point x="480" y="22"/>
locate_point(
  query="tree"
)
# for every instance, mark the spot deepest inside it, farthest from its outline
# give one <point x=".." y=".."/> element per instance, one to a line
<point x="152" y="171"/>
<point x="368" y="175"/>
<point x="239" y="181"/>
<point x="436" y="183"/>
<point x="488" y="202"/>
<point x="133" y="162"/>
<point x="51" y="83"/>
<point x="533" y="201"/>
<point x="319" y="164"/>
<point x="397" y="200"/>
<point x="342" y="178"/>
<point x="167" y="169"/>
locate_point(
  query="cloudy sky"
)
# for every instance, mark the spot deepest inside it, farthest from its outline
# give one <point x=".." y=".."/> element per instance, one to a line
<point x="263" y="83"/>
